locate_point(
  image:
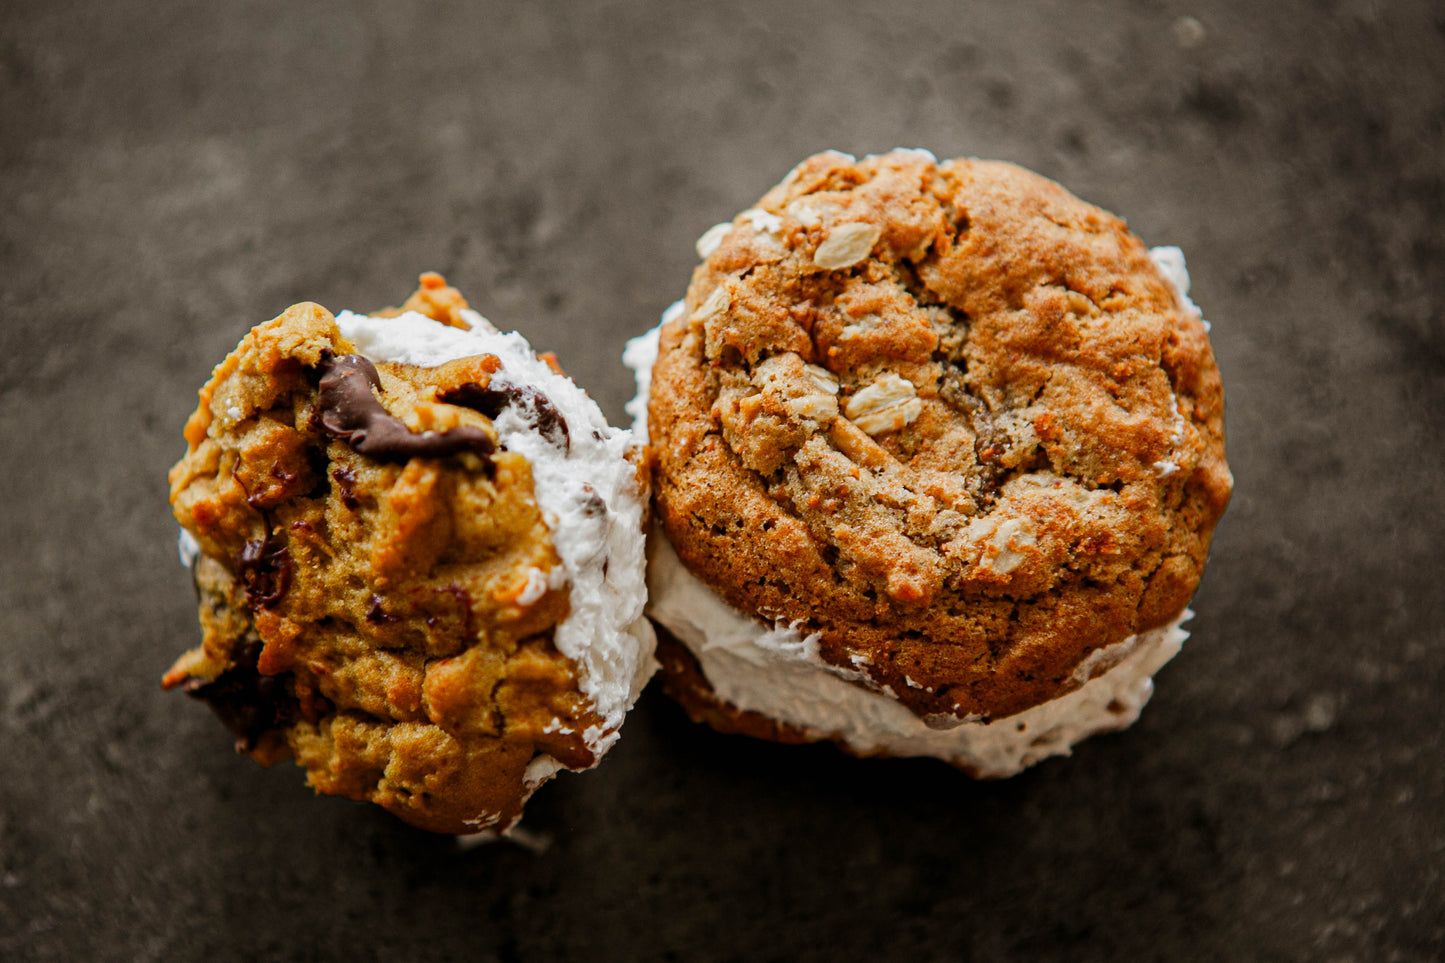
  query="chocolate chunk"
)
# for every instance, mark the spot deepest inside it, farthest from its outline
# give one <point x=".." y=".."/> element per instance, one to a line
<point x="347" y="409"/>
<point x="495" y="397"/>
<point x="264" y="568"/>
<point x="376" y="615"/>
<point x="345" y="481"/>
<point x="989" y="440"/>
<point x="463" y="599"/>
<point x="248" y="703"/>
<point x="595" y="506"/>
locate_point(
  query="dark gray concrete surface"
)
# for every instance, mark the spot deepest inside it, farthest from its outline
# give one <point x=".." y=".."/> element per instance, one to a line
<point x="172" y="172"/>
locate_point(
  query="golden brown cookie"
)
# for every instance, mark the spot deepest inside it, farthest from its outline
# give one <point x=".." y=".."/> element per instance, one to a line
<point x="418" y="550"/>
<point x="948" y="424"/>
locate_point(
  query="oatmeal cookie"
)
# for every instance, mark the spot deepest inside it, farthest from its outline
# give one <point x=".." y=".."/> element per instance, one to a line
<point x="419" y="554"/>
<point x="939" y="433"/>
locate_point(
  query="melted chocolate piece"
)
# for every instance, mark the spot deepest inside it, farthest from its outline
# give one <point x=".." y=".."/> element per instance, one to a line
<point x="347" y="409"/>
<point x="463" y="599"/>
<point x="376" y="615"/>
<point x="264" y="569"/>
<point x="492" y="399"/>
<point x="248" y="703"/>
<point x="345" y="480"/>
<point x="595" y="506"/>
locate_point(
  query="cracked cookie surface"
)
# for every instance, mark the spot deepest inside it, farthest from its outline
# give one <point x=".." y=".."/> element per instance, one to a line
<point x="381" y="592"/>
<point x="945" y="416"/>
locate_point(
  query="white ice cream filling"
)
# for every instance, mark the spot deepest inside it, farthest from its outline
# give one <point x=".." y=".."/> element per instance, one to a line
<point x="589" y="496"/>
<point x="775" y="670"/>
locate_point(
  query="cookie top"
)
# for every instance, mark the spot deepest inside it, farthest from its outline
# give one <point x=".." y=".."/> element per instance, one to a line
<point x="948" y="418"/>
<point x="420" y="560"/>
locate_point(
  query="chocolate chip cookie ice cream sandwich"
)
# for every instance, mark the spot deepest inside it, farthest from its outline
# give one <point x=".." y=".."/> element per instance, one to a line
<point x="937" y="453"/>
<point x="419" y="554"/>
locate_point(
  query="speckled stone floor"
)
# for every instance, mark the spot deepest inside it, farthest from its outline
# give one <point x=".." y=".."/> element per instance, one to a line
<point x="173" y="171"/>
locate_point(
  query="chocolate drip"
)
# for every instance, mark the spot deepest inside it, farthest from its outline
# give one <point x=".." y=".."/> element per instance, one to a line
<point x="492" y="399"/>
<point x="248" y="703"/>
<point x="347" y="409"/>
<point x="264" y="568"/>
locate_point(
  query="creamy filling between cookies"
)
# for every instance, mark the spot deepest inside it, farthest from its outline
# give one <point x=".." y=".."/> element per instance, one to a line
<point x="589" y="495"/>
<point x="775" y="670"/>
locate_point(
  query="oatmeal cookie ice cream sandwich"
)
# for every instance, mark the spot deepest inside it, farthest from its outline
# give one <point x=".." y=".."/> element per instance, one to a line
<point x="419" y="554"/>
<point x="937" y="453"/>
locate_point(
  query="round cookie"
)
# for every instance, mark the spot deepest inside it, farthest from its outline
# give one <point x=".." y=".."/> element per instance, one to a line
<point x="945" y="438"/>
<point x="419" y="554"/>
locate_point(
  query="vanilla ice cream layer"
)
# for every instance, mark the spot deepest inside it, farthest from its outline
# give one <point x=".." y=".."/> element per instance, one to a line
<point x="775" y="670"/>
<point x="589" y="495"/>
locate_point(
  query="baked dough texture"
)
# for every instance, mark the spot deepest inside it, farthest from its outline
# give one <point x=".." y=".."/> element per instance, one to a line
<point x="382" y="596"/>
<point x="945" y="420"/>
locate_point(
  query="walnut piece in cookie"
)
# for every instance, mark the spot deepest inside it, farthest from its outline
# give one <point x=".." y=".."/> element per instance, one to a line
<point x="419" y="556"/>
<point x="944" y="433"/>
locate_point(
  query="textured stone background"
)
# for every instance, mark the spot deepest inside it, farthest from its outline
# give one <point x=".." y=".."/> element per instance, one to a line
<point x="173" y="171"/>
